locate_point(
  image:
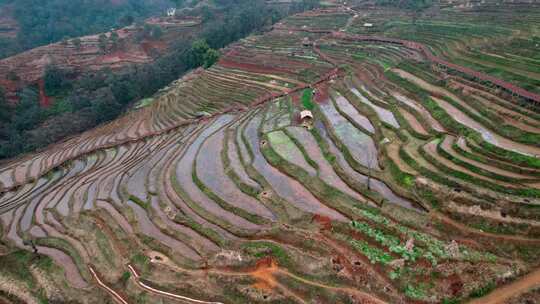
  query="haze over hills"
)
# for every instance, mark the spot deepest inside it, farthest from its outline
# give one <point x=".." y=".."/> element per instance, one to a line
<point x="358" y="152"/>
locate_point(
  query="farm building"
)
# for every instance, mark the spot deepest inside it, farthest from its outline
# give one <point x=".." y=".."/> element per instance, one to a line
<point x="306" y="118"/>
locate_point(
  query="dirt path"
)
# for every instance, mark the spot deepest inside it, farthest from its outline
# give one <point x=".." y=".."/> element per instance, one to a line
<point x="164" y="293"/>
<point x="117" y="298"/>
<point x="264" y="273"/>
<point x="518" y="287"/>
<point x="364" y="296"/>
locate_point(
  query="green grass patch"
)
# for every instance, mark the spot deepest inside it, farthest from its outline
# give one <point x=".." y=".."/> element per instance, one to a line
<point x="375" y="255"/>
<point x="261" y="249"/>
<point x="483" y="290"/>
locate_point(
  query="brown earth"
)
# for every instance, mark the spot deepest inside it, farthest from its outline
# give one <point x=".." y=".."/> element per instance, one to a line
<point x="30" y="66"/>
<point x="504" y="293"/>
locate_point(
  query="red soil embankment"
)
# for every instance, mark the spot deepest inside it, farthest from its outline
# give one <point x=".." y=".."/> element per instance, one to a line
<point x="44" y="100"/>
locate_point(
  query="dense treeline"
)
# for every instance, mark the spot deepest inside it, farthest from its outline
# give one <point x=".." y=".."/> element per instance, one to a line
<point x="43" y="22"/>
<point x="87" y="100"/>
<point x="408" y="4"/>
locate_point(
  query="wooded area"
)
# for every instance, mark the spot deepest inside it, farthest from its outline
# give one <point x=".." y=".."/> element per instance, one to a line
<point x="44" y="22"/>
<point x="87" y="100"/>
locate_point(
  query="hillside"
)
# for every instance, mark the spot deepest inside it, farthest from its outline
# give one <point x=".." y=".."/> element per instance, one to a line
<point x="416" y="181"/>
<point x="63" y="89"/>
<point x="26" y="24"/>
<point x="132" y="45"/>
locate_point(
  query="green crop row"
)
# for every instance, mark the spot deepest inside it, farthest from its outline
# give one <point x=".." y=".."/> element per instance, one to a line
<point x="392" y="242"/>
<point x="375" y="255"/>
<point x="434" y="247"/>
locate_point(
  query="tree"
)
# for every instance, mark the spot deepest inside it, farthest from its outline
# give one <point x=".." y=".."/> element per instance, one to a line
<point x="56" y="80"/>
<point x="307" y="99"/>
<point x="113" y="38"/>
<point x="105" y="107"/>
<point x="126" y="20"/>
<point x="210" y="57"/>
<point x="196" y="53"/>
<point x="147" y="30"/>
<point x="77" y="43"/>
<point x="179" y="3"/>
<point x="102" y="42"/>
<point x="5" y="107"/>
<point x="27" y="111"/>
<point x="157" y="32"/>
<point x="79" y="101"/>
<point x="310" y="4"/>
<point x="201" y="54"/>
<point x="11" y="75"/>
<point x="370" y="167"/>
<point x="206" y="13"/>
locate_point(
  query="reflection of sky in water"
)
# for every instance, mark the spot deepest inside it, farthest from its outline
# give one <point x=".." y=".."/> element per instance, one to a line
<point x="183" y="173"/>
<point x="287" y="149"/>
<point x="286" y="187"/>
<point x="487" y="135"/>
<point x="384" y="114"/>
<point x="375" y="184"/>
<point x="432" y="121"/>
<point x="360" y="145"/>
<point x="360" y="119"/>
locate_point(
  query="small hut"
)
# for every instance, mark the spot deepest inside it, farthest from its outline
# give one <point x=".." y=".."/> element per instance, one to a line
<point x="306" y="118"/>
<point x="306" y="42"/>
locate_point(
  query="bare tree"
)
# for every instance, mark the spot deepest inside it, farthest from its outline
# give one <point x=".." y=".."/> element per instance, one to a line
<point x="31" y="244"/>
<point x="370" y="167"/>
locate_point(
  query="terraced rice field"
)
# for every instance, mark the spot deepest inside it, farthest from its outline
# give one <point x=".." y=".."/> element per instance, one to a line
<point x="417" y="182"/>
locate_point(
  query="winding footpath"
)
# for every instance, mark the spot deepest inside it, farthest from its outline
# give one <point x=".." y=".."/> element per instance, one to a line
<point x="265" y="274"/>
<point x="516" y="288"/>
<point x="117" y="298"/>
<point x="164" y="293"/>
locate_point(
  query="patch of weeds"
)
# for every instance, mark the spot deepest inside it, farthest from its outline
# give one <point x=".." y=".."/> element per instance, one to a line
<point x="415" y="292"/>
<point x="125" y="278"/>
<point x="140" y="202"/>
<point x="263" y="249"/>
<point x="141" y="261"/>
<point x="482" y="291"/>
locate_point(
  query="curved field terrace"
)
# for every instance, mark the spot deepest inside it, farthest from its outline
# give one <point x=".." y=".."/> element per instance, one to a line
<point x="416" y="181"/>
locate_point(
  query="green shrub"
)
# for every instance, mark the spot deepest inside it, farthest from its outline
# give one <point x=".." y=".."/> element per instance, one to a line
<point x="307" y="99"/>
<point x="415" y="292"/>
<point x="482" y="291"/>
